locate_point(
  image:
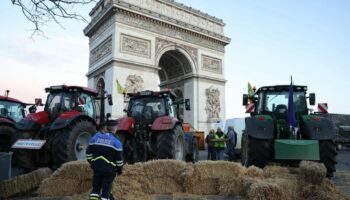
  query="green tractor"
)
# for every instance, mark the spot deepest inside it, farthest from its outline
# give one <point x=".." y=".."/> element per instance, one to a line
<point x="268" y="136"/>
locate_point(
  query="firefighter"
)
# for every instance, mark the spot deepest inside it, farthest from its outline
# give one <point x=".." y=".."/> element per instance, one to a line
<point x="104" y="154"/>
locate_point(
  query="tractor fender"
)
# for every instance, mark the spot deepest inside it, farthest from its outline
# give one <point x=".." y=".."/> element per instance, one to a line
<point x="33" y="122"/>
<point x="126" y="124"/>
<point x="165" y="123"/>
<point x="317" y="128"/>
<point x="64" y="119"/>
<point x="259" y="128"/>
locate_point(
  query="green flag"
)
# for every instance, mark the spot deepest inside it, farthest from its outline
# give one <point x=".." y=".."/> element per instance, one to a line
<point x="120" y="88"/>
<point x="250" y="90"/>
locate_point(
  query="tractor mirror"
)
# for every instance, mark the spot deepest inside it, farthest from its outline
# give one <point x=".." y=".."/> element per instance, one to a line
<point x="312" y="99"/>
<point x="108" y="115"/>
<point x="245" y="99"/>
<point x="38" y="102"/>
<point x="110" y="101"/>
<point x="187" y="104"/>
<point x="32" y="109"/>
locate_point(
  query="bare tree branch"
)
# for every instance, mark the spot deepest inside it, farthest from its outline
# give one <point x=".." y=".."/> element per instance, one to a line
<point x="41" y="12"/>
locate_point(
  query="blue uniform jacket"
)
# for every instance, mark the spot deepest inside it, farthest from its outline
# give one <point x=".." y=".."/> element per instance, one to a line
<point x="105" y="153"/>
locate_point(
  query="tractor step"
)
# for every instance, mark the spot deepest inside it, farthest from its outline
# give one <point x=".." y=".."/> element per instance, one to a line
<point x="296" y="149"/>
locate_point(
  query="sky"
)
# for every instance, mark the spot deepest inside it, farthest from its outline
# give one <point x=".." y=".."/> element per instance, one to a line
<point x="271" y="40"/>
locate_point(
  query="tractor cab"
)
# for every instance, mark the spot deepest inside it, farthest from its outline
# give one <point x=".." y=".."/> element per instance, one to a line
<point x="11" y="109"/>
<point x="273" y="101"/>
<point x="148" y="105"/>
<point x="63" y="99"/>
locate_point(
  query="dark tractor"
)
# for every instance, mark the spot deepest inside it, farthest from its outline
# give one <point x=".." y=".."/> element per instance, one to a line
<point x="268" y="137"/>
<point x="65" y="127"/>
<point x="11" y="111"/>
<point x="151" y="131"/>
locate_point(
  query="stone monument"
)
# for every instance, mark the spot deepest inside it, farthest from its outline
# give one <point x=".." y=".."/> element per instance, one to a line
<point x="158" y="44"/>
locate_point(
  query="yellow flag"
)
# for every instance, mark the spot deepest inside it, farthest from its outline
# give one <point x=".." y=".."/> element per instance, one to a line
<point x="250" y="90"/>
<point x="120" y="88"/>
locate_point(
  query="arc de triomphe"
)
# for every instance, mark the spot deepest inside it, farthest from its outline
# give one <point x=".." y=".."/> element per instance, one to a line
<point x="157" y="44"/>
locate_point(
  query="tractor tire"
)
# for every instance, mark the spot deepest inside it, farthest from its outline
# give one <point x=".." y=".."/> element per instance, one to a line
<point x="193" y="155"/>
<point x="6" y="134"/>
<point x="71" y="142"/>
<point x="23" y="158"/>
<point x="255" y="151"/>
<point x="127" y="149"/>
<point x="328" y="155"/>
<point x="171" y="144"/>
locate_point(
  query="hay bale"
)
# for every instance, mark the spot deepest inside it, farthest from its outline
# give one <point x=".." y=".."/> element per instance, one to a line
<point x="325" y="191"/>
<point x="73" y="178"/>
<point x="272" y="171"/>
<point x="254" y="172"/>
<point x="23" y="183"/>
<point x="208" y="175"/>
<point x="312" y="172"/>
<point x="274" y="189"/>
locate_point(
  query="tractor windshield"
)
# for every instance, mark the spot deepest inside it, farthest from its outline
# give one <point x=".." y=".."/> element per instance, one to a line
<point x="147" y="108"/>
<point x="272" y="101"/>
<point x="11" y="110"/>
<point x="59" y="102"/>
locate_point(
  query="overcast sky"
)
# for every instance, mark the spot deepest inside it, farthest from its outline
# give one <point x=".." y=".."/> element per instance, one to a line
<point x="271" y="40"/>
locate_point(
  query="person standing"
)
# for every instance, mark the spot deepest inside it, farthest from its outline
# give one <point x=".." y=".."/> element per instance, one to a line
<point x="219" y="144"/>
<point x="210" y="144"/>
<point x="231" y="143"/>
<point x="104" y="154"/>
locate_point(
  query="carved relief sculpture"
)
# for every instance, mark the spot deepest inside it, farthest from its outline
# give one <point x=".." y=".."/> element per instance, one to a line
<point x="134" y="83"/>
<point x="101" y="51"/>
<point x="211" y="64"/>
<point x="135" y="46"/>
<point x="212" y="106"/>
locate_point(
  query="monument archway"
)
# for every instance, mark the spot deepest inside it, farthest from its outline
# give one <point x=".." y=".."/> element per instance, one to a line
<point x="157" y="44"/>
<point x="175" y="68"/>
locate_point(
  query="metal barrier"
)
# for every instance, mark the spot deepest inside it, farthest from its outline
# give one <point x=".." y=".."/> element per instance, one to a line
<point x="5" y="165"/>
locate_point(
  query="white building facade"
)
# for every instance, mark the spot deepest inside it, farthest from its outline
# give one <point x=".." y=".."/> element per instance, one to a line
<point x="158" y="44"/>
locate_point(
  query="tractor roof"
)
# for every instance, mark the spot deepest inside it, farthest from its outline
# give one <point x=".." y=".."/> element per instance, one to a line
<point x="282" y="88"/>
<point x="4" y="98"/>
<point x="149" y="93"/>
<point x="65" y="88"/>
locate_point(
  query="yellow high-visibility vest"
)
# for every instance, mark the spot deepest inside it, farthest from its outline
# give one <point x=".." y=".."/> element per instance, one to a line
<point x="219" y="144"/>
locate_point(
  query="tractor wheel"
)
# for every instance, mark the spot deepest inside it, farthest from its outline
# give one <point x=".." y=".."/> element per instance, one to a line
<point x="127" y="149"/>
<point x="171" y="144"/>
<point x="193" y="156"/>
<point x="6" y="134"/>
<point x="328" y="155"/>
<point x="255" y="151"/>
<point x="23" y="158"/>
<point x="71" y="142"/>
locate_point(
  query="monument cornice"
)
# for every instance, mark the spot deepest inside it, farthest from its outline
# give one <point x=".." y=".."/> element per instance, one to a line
<point x="120" y="6"/>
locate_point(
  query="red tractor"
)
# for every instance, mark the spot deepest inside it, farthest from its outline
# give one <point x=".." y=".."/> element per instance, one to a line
<point x="63" y="129"/>
<point x="11" y="111"/>
<point x="151" y="131"/>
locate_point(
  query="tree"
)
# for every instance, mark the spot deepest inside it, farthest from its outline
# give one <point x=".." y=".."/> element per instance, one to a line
<point x="41" y="12"/>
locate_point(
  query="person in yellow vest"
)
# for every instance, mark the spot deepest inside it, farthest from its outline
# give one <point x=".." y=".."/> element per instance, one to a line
<point x="219" y="144"/>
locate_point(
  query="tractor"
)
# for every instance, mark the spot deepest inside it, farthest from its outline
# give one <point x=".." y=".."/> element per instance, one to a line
<point x="150" y="129"/>
<point x="11" y="111"/>
<point x="61" y="132"/>
<point x="268" y="137"/>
